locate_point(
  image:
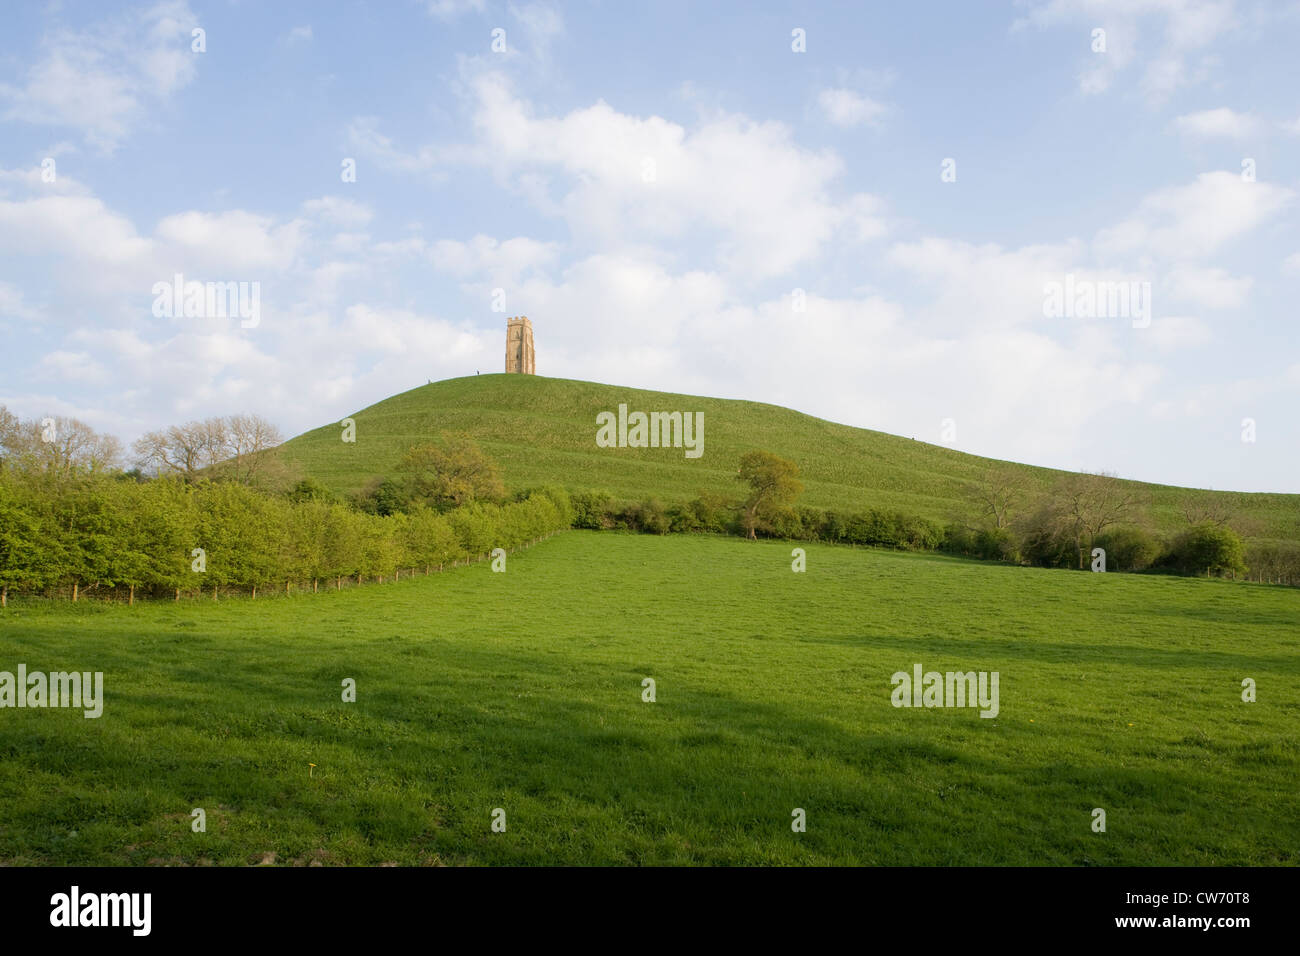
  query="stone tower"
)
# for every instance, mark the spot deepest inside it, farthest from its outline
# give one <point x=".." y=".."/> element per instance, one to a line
<point x="519" y="346"/>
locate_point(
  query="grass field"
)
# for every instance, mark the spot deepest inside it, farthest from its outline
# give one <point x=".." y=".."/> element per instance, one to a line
<point x="523" y="691"/>
<point x="543" y="430"/>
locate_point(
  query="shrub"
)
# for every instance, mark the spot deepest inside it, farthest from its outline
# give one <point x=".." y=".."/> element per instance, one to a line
<point x="1130" y="548"/>
<point x="715" y="513"/>
<point x="593" y="510"/>
<point x="1210" y="548"/>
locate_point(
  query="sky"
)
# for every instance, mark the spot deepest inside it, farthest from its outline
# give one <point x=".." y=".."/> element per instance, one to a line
<point x="855" y="210"/>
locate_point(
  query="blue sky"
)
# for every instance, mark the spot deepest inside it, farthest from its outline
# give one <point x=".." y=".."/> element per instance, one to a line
<point x="650" y="184"/>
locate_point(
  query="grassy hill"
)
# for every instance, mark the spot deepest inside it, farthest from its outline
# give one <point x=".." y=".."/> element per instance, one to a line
<point x="1116" y="691"/>
<point x="544" y="430"/>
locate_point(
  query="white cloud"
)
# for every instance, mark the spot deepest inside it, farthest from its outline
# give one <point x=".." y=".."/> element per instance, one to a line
<point x="1291" y="264"/>
<point x="759" y="200"/>
<point x="1186" y="29"/>
<point x="1191" y="221"/>
<point x="1207" y="288"/>
<point x="542" y="24"/>
<point x="338" y="211"/>
<point x="483" y="257"/>
<point x="364" y="137"/>
<point x="1177" y="332"/>
<point x="13" y="306"/>
<point x="983" y="286"/>
<point x="1221" y="123"/>
<point x="78" y="367"/>
<point x="75" y="227"/>
<point x="451" y="9"/>
<point x="847" y="108"/>
<point x="237" y="240"/>
<point x="105" y="80"/>
<point x="300" y="34"/>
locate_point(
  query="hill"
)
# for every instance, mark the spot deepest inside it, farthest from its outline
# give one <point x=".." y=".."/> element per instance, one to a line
<point x="544" y="430"/>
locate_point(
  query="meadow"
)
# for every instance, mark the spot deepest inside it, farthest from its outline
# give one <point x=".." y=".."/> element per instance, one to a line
<point x="523" y="691"/>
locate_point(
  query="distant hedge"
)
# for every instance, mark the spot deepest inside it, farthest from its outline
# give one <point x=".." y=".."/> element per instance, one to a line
<point x="599" y="510"/>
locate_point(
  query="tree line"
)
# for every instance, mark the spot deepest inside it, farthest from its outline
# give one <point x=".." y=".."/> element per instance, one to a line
<point x="171" y="537"/>
<point x="209" y="509"/>
<point x="69" y="523"/>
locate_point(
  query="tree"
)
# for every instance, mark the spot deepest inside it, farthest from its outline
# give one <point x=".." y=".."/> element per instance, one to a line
<point x="165" y="527"/>
<point x="1091" y="503"/>
<point x="247" y="450"/>
<point x="181" y="449"/>
<point x="383" y="496"/>
<point x="58" y="446"/>
<point x="1211" y="548"/>
<point x="774" y="485"/>
<point x="452" y="473"/>
<point x="24" y="550"/>
<point x="429" y="539"/>
<point x="998" y="493"/>
<point x="1202" y="507"/>
<point x="236" y="446"/>
<point x="10" y="430"/>
<point x="309" y="489"/>
<point x="1048" y="536"/>
<point x="477" y="528"/>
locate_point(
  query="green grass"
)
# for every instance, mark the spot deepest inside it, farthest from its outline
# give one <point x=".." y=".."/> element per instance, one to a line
<point x="523" y="691"/>
<point x="544" y="429"/>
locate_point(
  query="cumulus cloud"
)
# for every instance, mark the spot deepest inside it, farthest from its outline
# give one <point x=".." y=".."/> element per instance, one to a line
<point x="1169" y="332"/>
<point x="235" y="240"/>
<point x="13" y="304"/>
<point x="484" y="257"/>
<point x="847" y="108"/>
<point x="1211" y="288"/>
<point x="1196" y="219"/>
<point x="104" y="80"/>
<point x="769" y="202"/>
<point x="338" y="211"/>
<point x="1221" y="123"/>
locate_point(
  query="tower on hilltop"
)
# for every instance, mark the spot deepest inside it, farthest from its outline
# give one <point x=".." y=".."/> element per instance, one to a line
<point x="519" y="346"/>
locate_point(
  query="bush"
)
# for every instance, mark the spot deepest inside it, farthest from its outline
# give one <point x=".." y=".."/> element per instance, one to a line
<point x="1209" y="548"/>
<point x="682" y="519"/>
<point x="1046" y="541"/>
<point x="593" y="510"/>
<point x="958" y="539"/>
<point x="916" y="533"/>
<point x="1130" y="548"/>
<point x="811" y="522"/>
<point x="715" y="514"/>
<point x="997" y="544"/>
<point x="648" y="517"/>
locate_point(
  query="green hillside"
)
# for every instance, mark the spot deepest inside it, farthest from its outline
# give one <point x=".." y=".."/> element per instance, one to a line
<point x="544" y="430"/>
